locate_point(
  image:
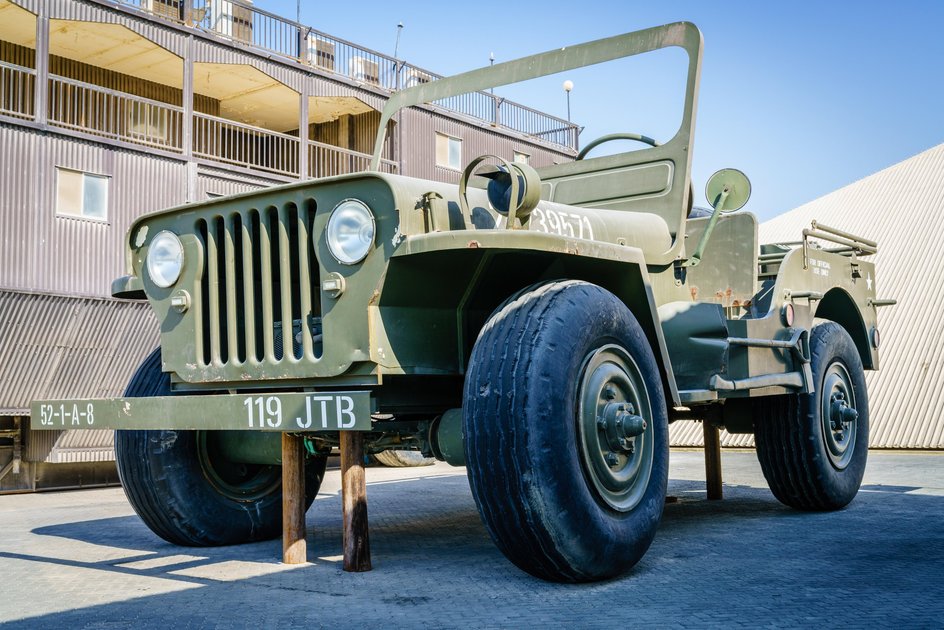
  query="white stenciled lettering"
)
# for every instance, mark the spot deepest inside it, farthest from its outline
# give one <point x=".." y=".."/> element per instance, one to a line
<point x="324" y="408"/>
<point x="274" y="409"/>
<point x="346" y="408"/>
<point x="90" y="413"/>
<point x="304" y="424"/>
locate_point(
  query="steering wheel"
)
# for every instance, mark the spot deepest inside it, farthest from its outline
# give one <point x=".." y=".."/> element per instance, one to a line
<point x="638" y="137"/>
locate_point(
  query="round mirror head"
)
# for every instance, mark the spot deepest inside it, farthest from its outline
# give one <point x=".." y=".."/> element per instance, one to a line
<point x="730" y="181"/>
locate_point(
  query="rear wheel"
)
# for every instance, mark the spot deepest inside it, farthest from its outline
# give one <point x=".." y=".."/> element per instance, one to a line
<point x="565" y="433"/>
<point x="813" y="447"/>
<point x="184" y="488"/>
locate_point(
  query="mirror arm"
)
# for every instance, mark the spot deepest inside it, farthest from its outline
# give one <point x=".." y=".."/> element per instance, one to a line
<point x="703" y="242"/>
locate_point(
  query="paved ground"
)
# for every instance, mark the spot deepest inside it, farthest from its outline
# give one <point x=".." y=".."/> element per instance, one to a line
<point x="83" y="560"/>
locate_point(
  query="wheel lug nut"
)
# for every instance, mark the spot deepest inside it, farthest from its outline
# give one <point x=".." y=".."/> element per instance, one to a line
<point x="609" y="392"/>
<point x="612" y="460"/>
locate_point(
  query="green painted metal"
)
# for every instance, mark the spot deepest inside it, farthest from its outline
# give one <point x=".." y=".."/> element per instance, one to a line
<point x="446" y="438"/>
<point x="289" y="411"/>
<point x="613" y="421"/>
<point x="727" y="191"/>
<point x="244" y="447"/>
<point x="263" y="311"/>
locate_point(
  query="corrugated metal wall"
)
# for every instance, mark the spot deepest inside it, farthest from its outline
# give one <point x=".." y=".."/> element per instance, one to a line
<point x="18" y="55"/>
<point x="418" y="144"/>
<point x="67" y="347"/>
<point x="901" y="207"/>
<point x="216" y="182"/>
<point x="70" y="255"/>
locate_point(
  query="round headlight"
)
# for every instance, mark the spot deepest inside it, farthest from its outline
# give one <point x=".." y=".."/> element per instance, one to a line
<point x="350" y="231"/>
<point x="165" y="259"/>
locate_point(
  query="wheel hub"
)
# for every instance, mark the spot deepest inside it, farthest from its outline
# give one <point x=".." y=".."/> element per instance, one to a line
<point x="237" y="480"/>
<point x="621" y="424"/>
<point x="613" y="420"/>
<point x="838" y="415"/>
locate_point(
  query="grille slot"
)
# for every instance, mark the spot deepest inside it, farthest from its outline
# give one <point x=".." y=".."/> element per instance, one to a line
<point x="260" y="278"/>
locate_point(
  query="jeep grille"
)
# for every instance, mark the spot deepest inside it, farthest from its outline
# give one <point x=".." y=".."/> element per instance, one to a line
<point x="260" y="278"/>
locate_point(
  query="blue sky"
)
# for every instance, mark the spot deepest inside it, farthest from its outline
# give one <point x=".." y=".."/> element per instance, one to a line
<point x="804" y="97"/>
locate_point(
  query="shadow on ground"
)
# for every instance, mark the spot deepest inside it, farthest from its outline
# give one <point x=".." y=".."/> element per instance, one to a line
<point x="746" y="559"/>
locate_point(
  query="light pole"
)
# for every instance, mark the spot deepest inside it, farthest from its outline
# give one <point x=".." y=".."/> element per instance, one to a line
<point x="396" y="49"/>
<point x="491" y="62"/>
<point x="568" y="86"/>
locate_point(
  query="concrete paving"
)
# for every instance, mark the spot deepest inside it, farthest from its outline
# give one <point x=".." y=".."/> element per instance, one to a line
<point x="83" y="559"/>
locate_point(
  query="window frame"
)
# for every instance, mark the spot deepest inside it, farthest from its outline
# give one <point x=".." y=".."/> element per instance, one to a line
<point x="82" y="216"/>
<point x="449" y="139"/>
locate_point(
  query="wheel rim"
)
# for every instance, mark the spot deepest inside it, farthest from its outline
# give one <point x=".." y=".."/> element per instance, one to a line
<point x="614" y="423"/>
<point x="838" y="413"/>
<point x="236" y="480"/>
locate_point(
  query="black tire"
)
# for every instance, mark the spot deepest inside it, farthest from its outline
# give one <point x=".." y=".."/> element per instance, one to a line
<point x="530" y="456"/>
<point x="809" y="465"/>
<point x="190" y="497"/>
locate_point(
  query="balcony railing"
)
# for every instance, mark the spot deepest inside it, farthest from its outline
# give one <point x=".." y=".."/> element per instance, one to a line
<point x="17" y="85"/>
<point x="267" y="31"/>
<point x="325" y="160"/>
<point x="98" y="111"/>
<point x="244" y="145"/>
<point x="102" y="112"/>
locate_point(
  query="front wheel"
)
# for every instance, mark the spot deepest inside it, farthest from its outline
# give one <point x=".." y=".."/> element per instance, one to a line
<point x="184" y="488"/>
<point x="565" y="433"/>
<point x="813" y="447"/>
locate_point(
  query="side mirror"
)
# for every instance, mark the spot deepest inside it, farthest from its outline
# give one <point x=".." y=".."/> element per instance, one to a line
<point x="727" y="191"/>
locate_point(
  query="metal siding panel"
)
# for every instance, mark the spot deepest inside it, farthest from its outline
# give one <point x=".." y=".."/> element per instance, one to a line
<point x="72" y="255"/>
<point x="322" y="86"/>
<point x="20" y="174"/>
<point x="29" y="5"/>
<point x="96" y="445"/>
<point x="66" y="347"/>
<point x="39" y="444"/>
<point x="221" y="183"/>
<point x="418" y="148"/>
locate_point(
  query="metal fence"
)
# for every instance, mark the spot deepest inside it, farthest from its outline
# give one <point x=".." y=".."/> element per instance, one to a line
<point x="325" y="160"/>
<point x="243" y="145"/>
<point x="17" y="85"/>
<point x="267" y="31"/>
<point x="120" y="116"/>
<point x="92" y="109"/>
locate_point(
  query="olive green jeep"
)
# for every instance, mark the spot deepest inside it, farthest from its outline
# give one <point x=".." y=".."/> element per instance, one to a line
<point x="541" y="327"/>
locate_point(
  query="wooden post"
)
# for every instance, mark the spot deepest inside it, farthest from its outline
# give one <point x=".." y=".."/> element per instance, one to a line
<point x="294" y="549"/>
<point x="712" y="461"/>
<point x="354" y="501"/>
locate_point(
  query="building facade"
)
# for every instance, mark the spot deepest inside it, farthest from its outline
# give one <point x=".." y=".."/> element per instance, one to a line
<point x="110" y="110"/>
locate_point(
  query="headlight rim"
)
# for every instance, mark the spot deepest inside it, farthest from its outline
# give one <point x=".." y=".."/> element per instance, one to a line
<point x="160" y="281"/>
<point x="373" y="232"/>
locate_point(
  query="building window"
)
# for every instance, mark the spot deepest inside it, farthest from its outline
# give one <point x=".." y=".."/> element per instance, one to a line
<point x="523" y="158"/>
<point x="448" y="151"/>
<point x="81" y="194"/>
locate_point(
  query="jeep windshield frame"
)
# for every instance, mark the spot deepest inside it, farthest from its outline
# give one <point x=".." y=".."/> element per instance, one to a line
<point x="673" y="202"/>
